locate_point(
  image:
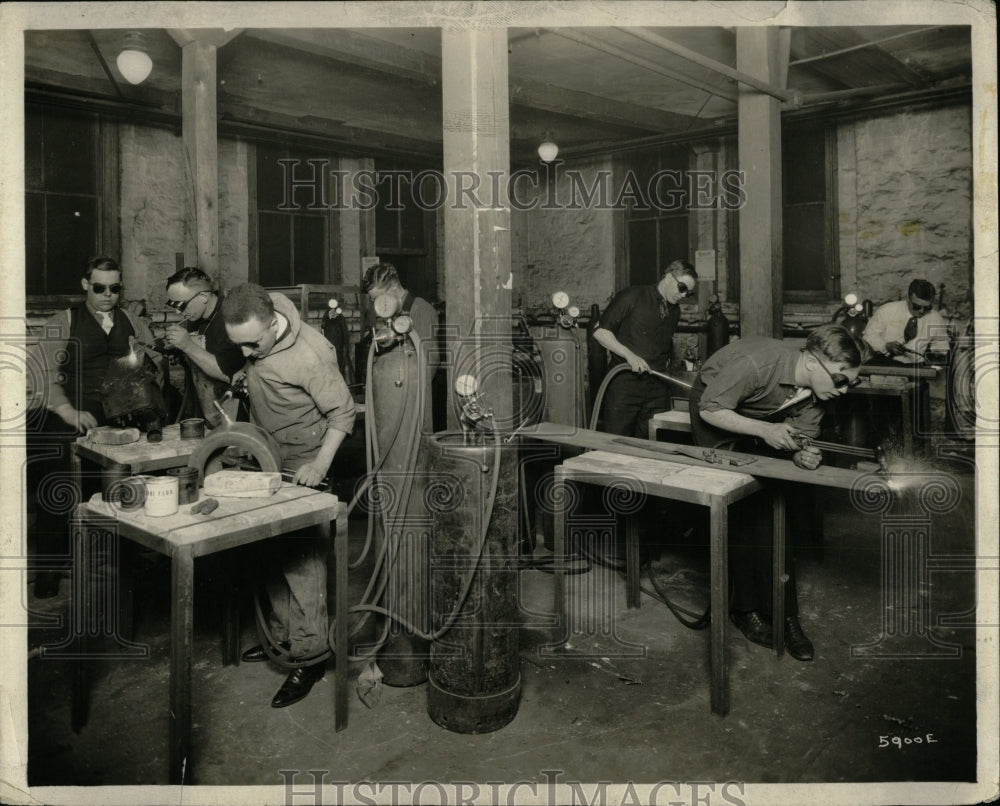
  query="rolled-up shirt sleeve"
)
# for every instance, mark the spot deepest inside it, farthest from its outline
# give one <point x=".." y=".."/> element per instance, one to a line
<point x="333" y="399"/>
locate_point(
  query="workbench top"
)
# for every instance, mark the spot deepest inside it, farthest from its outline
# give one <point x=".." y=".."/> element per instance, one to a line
<point x="141" y="452"/>
<point x="706" y="480"/>
<point x="290" y="508"/>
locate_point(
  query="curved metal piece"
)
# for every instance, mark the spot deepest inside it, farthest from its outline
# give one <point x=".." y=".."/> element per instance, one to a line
<point x="245" y="438"/>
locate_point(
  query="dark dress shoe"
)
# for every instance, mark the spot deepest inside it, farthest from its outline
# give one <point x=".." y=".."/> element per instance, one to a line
<point x="47" y="584"/>
<point x="298" y="684"/>
<point x="754" y="626"/>
<point x="798" y="646"/>
<point x="256" y="654"/>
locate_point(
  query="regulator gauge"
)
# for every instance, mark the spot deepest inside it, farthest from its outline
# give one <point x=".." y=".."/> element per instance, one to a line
<point x="560" y="299"/>
<point x="386" y="305"/>
<point x="573" y="311"/>
<point x="402" y="324"/>
<point x="466" y="385"/>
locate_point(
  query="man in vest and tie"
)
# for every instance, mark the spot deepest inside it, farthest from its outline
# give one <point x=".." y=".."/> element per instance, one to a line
<point x="75" y="351"/>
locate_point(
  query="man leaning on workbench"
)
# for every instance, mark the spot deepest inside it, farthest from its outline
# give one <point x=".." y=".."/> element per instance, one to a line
<point x="775" y="393"/>
<point x="297" y="395"/>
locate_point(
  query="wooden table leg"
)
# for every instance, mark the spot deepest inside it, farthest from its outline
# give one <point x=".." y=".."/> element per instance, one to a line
<point x="181" y="637"/>
<point x="778" y="572"/>
<point x="340" y="630"/>
<point x="719" y="563"/>
<point x="559" y="552"/>
<point x="906" y="403"/>
<point x="632" y="598"/>
<point x="78" y="623"/>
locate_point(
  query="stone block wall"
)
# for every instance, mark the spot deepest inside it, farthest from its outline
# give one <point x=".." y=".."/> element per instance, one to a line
<point x="569" y="250"/>
<point x="906" y="198"/>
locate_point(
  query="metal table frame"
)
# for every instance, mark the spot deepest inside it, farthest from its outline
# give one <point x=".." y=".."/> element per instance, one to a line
<point x="718" y="505"/>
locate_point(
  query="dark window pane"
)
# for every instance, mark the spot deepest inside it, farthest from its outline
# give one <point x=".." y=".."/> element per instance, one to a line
<point x="803" y="167"/>
<point x="673" y="241"/>
<point x="69" y="154"/>
<point x="33" y="133"/>
<point x="71" y="224"/>
<point x="804" y="253"/>
<point x="386" y="226"/>
<point x="635" y="184"/>
<point x="270" y="178"/>
<point x="34" y="230"/>
<point x="412" y="222"/>
<point x="310" y="249"/>
<point x="642" y="252"/>
<point x="274" y="249"/>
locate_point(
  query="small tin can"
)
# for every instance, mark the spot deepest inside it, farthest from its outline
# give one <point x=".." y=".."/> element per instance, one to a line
<point x="192" y="428"/>
<point x="161" y="495"/>
<point x="187" y="481"/>
<point x="127" y="494"/>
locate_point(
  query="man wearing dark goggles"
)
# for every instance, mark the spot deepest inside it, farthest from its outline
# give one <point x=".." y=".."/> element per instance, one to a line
<point x="764" y="389"/>
<point x="76" y="352"/>
<point x="908" y="328"/>
<point x="637" y="328"/>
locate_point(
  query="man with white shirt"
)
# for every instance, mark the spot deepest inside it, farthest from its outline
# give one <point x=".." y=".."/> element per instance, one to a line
<point x="75" y="353"/>
<point x="908" y="327"/>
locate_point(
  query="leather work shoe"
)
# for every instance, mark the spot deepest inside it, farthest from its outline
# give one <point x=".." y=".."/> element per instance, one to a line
<point x="47" y="584"/>
<point x="798" y="646"/>
<point x="298" y="684"/>
<point x="754" y="626"/>
<point x="256" y="654"/>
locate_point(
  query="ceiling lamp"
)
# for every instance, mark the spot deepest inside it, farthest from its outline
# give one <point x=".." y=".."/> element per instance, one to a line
<point x="134" y="62"/>
<point x="547" y="150"/>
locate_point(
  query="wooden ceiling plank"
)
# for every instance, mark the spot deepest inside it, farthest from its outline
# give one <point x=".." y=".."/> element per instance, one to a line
<point x="862" y="65"/>
<point x="206" y="36"/>
<point x="709" y="64"/>
<point x="597" y="43"/>
<point x="551" y="98"/>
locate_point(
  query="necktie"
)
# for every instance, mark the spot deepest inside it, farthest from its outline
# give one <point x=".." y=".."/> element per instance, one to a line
<point x="910" y="331"/>
<point x="107" y="321"/>
<point x="664" y="310"/>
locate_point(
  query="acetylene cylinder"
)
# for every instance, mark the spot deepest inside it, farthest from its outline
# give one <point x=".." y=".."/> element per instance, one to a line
<point x="716" y="328"/>
<point x="474" y="678"/>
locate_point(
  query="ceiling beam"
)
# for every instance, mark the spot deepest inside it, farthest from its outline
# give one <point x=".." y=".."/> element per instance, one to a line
<point x="591" y="41"/>
<point x="370" y="53"/>
<point x="206" y="36"/>
<point x="711" y="64"/>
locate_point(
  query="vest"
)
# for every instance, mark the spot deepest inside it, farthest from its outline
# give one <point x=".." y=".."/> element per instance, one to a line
<point x="89" y="350"/>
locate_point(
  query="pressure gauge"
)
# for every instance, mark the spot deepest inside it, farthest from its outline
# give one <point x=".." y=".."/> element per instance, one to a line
<point x="560" y="299"/>
<point x="333" y="303"/>
<point x="859" y="307"/>
<point x="573" y="311"/>
<point x="466" y="385"/>
<point x="851" y="299"/>
<point x="402" y="324"/>
<point x="386" y="305"/>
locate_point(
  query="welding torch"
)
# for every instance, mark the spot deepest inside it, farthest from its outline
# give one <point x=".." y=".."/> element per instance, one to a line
<point x="875" y="455"/>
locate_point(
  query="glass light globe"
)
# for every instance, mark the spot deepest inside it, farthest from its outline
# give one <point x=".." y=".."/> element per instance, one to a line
<point x="135" y="65"/>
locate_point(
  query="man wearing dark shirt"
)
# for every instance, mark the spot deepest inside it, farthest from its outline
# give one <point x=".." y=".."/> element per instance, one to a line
<point x="768" y="390"/>
<point x="201" y="336"/>
<point x="638" y="327"/>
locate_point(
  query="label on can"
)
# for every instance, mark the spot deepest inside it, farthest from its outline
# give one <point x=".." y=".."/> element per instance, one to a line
<point x="161" y="495"/>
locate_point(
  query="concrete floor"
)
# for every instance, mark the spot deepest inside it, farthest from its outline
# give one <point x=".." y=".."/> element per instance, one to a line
<point x="627" y="702"/>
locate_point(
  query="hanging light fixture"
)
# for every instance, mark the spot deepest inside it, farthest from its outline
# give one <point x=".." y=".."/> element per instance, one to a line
<point x="133" y="61"/>
<point x="548" y="150"/>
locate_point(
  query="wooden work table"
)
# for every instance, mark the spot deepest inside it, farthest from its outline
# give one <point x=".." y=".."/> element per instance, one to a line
<point x="183" y="537"/>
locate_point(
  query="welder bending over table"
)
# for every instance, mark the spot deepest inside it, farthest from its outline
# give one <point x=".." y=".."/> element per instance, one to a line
<point x="776" y="395"/>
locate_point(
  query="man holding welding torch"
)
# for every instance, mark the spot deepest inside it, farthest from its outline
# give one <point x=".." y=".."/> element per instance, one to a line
<point x="201" y="337"/>
<point x="772" y="395"/>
